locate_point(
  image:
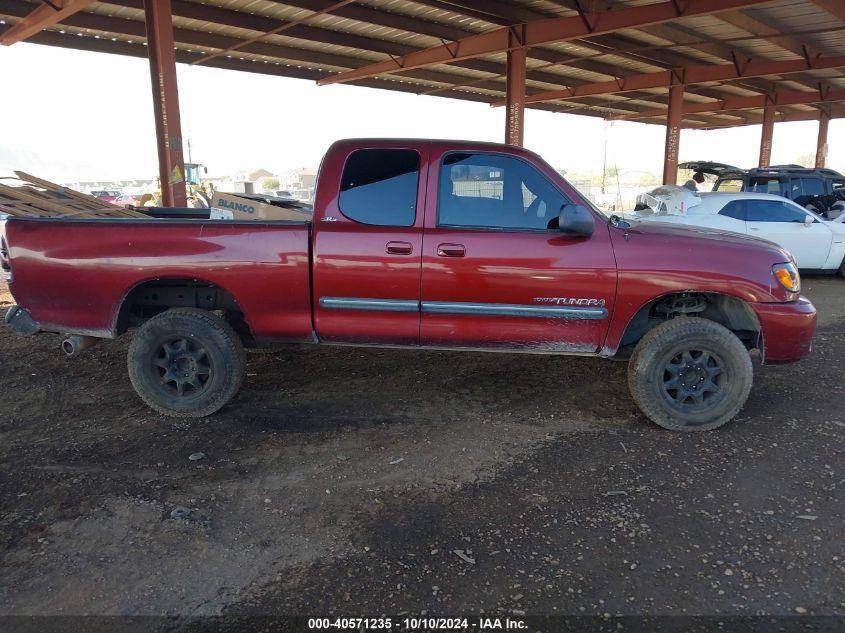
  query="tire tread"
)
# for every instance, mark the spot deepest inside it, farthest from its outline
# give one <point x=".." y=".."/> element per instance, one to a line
<point x="235" y="362"/>
<point x="685" y="327"/>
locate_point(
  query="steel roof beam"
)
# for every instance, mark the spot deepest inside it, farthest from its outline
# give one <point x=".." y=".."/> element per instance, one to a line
<point x="773" y="35"/>
<point x="290" y="56"/>
<point x="836" y="112"/>
<point x="781" y="98"/>
<point x="493" y="11"/>
<point x="754" y="26"/>
<point x="706" y="44"/>
<point x="41" y="17"/>
<point x="836" y="8"/>
<point x="690" y="75"/>
<point x="54" y="38"/>
<point x="543" y="31"/>
<point x="189" y="38"/>
<point x="279" y="29"/>
<point x="227" y="17"/>
<point x="379" y="17"/>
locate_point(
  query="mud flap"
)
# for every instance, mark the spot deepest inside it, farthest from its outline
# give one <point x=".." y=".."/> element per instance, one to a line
<point x="21" y="322"/>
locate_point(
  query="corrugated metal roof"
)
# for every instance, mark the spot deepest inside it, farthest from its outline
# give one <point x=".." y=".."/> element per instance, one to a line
<point x="368" y="31"/>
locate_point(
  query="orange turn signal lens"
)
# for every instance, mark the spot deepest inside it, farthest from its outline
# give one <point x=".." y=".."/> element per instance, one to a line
<point x="787" y="276"/>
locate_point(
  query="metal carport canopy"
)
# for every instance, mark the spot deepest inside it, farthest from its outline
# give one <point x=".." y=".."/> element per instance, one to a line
<point x="712" y="63"/>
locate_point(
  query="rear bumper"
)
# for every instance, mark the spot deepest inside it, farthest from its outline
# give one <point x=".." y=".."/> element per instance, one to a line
<point x="21" y="322"/>
<point x="787" y="329"/>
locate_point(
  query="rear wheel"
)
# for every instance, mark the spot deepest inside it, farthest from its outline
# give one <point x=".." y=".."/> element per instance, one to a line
<point x="186" y="362"/>
<point x="690" y="374"/>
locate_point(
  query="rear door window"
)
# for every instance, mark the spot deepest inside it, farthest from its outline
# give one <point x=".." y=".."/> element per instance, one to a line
<point x="379" y="187"/>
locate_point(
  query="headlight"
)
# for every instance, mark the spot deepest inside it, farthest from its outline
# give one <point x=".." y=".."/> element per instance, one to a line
<point x="787" y="276"/>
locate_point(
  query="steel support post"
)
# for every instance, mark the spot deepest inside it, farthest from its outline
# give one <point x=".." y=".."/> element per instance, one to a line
<point x="673" y="133"/>
<point x="821" y="145"/>
<point x="171" y="163"/>
<point x="766" y="136"/>
<point x="515" y="109"/>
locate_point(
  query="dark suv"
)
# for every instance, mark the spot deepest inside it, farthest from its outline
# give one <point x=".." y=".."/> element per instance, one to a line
<point x="797" y="183"/>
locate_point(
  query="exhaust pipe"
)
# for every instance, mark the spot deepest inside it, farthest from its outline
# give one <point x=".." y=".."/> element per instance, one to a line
<point x="76" y="344"/>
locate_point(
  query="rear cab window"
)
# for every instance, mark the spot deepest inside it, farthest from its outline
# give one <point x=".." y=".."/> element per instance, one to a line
<point x="379" y="187"/>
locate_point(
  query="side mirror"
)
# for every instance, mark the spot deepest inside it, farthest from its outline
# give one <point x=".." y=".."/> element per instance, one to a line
<point x="808" y="220"/>
<point x="576" y="219"/>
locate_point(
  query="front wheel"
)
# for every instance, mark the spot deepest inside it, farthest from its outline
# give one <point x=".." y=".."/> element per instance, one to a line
<point x="690" y="374"/>
<point x="186" y="363"/>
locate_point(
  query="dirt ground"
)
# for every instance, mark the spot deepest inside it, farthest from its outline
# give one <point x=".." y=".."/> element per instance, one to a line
<point x="363" y="482"/>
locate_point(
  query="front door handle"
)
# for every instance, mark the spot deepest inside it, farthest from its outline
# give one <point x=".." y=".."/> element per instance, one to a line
<point x="451" y="250"/>
<point x="400" y="248"/>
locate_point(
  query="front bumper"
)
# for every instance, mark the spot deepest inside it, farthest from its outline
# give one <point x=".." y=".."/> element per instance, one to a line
<point x="21" y="321"/>
<point x="787" y="329"/>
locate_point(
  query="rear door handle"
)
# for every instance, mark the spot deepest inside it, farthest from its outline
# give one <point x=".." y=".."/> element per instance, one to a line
<point x="400" y="248"/>
<point x="451" y="250"/>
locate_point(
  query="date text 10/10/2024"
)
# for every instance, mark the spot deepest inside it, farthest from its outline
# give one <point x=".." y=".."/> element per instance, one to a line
<point x="417" y="624"/>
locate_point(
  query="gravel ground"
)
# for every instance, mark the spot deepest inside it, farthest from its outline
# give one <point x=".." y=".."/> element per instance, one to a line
<point x="364" y="482"/>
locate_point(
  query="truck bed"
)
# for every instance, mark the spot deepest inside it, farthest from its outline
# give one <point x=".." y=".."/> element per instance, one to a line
<point x="77" y="273"/>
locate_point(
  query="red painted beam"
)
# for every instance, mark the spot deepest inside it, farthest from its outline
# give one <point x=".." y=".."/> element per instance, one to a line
<point x="689" y="75"/>
<point x="673" y="134"/>
<point x="766" y="135"/>
<point x="821" y="144"/>
<point x="836" y="110"/>
<point x="835" y="7"/>
<point x="171" y="163"/>
<point x="515" y="110"/>
<point x="42" y="17"/>
<point x="544" y="32"/>
<point x="782" y="98"/>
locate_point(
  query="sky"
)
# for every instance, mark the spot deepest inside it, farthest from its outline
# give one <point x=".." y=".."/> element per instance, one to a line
<point x="69" y="115"/>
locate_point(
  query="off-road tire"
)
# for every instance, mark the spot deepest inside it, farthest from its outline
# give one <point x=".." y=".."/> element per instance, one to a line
<point x="189" y="345"/>
<point x="842" y="268"/>
<point x="688" y="351"/>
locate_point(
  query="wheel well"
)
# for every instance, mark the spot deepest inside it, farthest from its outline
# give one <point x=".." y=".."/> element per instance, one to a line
<point x="733" y="313"/>
<point x="150" y="298"/>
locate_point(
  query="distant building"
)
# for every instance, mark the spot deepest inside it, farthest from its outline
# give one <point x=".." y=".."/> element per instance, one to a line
<point x="251" y="181"/>
<point x="300" y="183"/>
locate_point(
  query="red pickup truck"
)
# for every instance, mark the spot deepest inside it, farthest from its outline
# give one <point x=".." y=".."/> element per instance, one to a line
<point x="417" y="243"/>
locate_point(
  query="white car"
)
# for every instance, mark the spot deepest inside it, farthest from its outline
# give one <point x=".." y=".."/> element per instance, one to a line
<point x="816" y="243"/>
